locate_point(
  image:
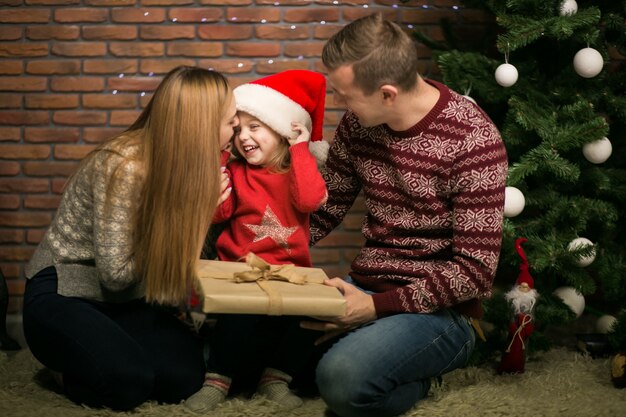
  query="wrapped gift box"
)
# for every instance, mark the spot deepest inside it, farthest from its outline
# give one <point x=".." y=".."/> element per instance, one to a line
<point x="220" y="293"/>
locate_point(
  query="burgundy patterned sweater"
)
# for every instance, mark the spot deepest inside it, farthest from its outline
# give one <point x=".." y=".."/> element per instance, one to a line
<point x="434" y="196"/>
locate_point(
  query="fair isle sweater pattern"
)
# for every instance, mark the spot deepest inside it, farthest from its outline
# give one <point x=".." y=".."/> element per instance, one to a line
<point x="434" y="196"/>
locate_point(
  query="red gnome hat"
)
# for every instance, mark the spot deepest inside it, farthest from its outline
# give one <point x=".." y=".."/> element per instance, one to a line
<point x="524" y="275"/>
<point x="285" y="97"/>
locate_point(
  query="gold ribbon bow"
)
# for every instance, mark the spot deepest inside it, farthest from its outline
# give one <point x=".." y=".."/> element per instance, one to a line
<point x="262" y="271"/>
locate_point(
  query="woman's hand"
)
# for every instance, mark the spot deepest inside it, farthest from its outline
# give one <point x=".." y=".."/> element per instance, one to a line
<point x="303" y="133"/>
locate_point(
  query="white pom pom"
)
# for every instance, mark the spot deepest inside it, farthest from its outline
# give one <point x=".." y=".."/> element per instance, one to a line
<point x="572" y="298"/>
<point x="319" y="149"/>
<point x="506" y="75"/>
<point x="568" y="8"/>
<point x="598" y="151"/>
<point x="470" y="99"/>
<point x="605" y="323"/>
<point x="580" y="243"/>
<point x="514" y="202"/>
<point x="588" y="62"/>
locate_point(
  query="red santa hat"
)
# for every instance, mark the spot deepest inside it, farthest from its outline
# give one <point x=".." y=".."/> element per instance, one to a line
<point x="285" y="97"/>
<point x="524" y="275"/>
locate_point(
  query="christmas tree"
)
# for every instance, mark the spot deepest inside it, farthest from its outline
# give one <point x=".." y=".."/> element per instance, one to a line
<point x="552" y="76"/>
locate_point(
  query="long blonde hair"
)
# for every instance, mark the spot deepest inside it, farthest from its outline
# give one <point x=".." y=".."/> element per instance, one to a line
<point x="178" y="134"/>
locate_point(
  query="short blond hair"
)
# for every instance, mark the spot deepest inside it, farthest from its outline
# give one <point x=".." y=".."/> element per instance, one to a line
<point x="379" y="51"/>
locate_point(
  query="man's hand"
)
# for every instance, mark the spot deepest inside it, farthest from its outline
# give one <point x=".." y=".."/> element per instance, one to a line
<point x="359" y="310"/>
<point x="225" y="187"/>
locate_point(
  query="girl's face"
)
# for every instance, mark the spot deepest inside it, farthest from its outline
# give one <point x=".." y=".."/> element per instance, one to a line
<point x="256" y="142"/>
<point x="230" y="121"/>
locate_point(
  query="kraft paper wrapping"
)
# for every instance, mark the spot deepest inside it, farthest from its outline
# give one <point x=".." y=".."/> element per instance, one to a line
<point x="221" y="294"/>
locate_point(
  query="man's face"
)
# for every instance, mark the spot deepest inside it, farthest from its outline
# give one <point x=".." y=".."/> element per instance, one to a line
<point x="346" y="94"/>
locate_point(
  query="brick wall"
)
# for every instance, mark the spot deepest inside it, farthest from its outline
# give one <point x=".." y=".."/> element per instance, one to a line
<point x="75" y="72"/>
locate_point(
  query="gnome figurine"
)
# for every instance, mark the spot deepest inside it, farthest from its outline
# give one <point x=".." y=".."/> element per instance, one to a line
<point x="522" y="298"/>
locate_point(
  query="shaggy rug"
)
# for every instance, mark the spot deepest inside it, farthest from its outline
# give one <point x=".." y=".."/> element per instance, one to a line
<point x="560" y="382"/>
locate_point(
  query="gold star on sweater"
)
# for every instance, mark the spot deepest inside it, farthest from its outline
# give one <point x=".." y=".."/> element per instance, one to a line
<point x="271" y="227"/>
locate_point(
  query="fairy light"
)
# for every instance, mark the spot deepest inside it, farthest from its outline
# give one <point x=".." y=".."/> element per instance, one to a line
<point x="263" y="20"/>
<point x="323" y="22"/>
<point x="175" y="19"/>
<point x="394" y="6"/>
<point x="240" y="65"/>
<point x="276" y="3"/>
<point x="143" y="93"/>
<point x="270" y="61"/>
<point x="293" y="27"/>
<point x="146" y="13"/>
<point x="114" y="91"/>
<point x="120" y="75"/>
<point x="234" y="18"/>
<point x="365" y="6"/>
<point x="150" y="74"/>
<point x="203" y="19"/>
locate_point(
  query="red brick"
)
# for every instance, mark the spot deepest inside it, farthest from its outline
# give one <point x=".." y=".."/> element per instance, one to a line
<point x="11" y="236"/>
<point x="10" y="67"/>
<point x="10" y="33"/>
<point x="162" y="66"/>
<point x="253" y="15"/>
<point x="79" y="48"/>
<point x="10" y="101"/>
<point x="430" y="17"/>
<point x="52" y="2"/>
<point x="253" y="49"/>
<point x="133" y="83"/>
<point x="16" y="287"/>
<point x="82" y="14"/>
<point x="23" y="50"/>
<point x="305" y="49"/>
<point x="77" y="84"/>
<point x="99" y="134"/>
<point x="58" y="185"/>
<point x="123" y="117"/>
<point x="80" y="118"/>
<point x="49" y="169"/>
<point x="25" y="15"/>
<point x="52" y="32"/>
<point x="162" y="32"/>
<point x="109" y="101"/>
<point x="9" y="202"/>
<point x="311" y="15"/>
<point x="228" y="66"/>
<point x="226" y="2"/>
<point x="113" y="3"/>
<point x="265" y="67"/>
<point x="8" y="169"/>
<point x="24" y="219"/>
<point x="75" y="152"/>
<point x="10" y="270"/>
<point x="273" y="32"/>
<point x="199" y="49"/>
<point x="23" y="185"/>
<point x="35" y="236"/>
<point x="351" y="14"/>
<point x="24" y="151"/>
<point x="225" y="32"/>
<point x="339" y="238"/>
<point x="15" y="305"/>
<point x="51" y="135"/>
<point x="42" y="201"/>
<point x="139" y="15"/>
<point x="11" y="2"/>
<point x="109" y="66"/>
<point x="100" y="32"/>
<point x="325" y="31"/>
<point x="23" y="83"/>
<point x="16" y="253"/>
<point x="165" y="2"/>
<point x="324" y="256"/>
<point x="12" y="134"/>
<point x="24" y="117"/>
<point x="141" y="49"/>
<point x="51" y="101"/>
<point x="195" y="14"/>
<point x="288" y="2"/>
<point x="337" y="271"/>
<point x="53" y="67"/>
<point x="359" y="2"/>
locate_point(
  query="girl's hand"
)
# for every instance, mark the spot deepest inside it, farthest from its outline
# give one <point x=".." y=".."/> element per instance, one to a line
<point x="225" y="187"/>
<point x="303" y="133"/>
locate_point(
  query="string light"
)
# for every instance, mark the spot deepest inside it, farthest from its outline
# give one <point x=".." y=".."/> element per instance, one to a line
<point x="114" y="91"/>
<point x="270" y="61"/>
<point x="142" y="93"/>
<point x="263" y="20"/>
<point x="120" y="76"/>
<point x="293" y="27"/>
<point x="146" y="13"/>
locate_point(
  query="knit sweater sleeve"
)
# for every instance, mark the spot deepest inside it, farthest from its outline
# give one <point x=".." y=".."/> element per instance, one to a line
<point x="342" y="184"/>
<point x="120" y="180"/>
<point x="307" y="187"/>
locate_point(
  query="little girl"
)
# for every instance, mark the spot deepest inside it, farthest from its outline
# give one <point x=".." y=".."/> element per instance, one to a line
<point x="275" y="186"/>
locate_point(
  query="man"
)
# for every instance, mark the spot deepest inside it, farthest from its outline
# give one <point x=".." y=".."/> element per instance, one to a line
<point x="432" y="168"/>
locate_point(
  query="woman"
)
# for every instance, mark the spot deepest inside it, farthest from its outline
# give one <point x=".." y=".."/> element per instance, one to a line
<point x="120" y="254"/>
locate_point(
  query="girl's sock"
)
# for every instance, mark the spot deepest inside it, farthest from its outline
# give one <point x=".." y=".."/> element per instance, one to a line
<point x="274" y="385"/>
<point x="213" y="392"/>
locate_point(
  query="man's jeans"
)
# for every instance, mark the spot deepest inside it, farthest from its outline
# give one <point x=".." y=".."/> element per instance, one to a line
<point x="385" y="367"/>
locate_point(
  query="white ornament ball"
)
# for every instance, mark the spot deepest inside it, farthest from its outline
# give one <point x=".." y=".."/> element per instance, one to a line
<point x="605" y="323"/>
<point x="598" y="151"/>
<point x="506" y="75"/>
<point x="580" y="243"/>
<point x="588" y="62"/>
<point x="514" y="202"/>
<point x="572" y="298"/>
<point x="470" y="99"/>
<point x="568" y="8"/>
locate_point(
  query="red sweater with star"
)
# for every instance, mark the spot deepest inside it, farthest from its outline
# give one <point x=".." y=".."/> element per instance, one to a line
<point x="268" y="213"/>
<point x="434" y="196"/>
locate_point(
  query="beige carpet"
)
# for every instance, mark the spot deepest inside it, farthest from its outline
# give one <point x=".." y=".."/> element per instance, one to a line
<point x="557" y="383"/>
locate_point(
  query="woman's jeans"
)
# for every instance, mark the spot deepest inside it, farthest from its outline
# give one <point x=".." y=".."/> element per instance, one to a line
<point x="111" y="355"/>
<point x="385" y="367"/>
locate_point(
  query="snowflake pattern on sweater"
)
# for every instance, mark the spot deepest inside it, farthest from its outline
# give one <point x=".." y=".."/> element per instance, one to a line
<point x="434" y="196"/>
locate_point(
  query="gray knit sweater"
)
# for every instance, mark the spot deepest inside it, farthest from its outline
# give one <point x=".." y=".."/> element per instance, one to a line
<point x="90" y="245"/>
